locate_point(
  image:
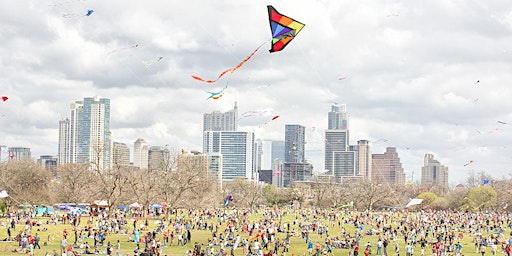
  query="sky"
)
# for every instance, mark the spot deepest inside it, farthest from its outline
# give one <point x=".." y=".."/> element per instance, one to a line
<point x="422" y="76"/>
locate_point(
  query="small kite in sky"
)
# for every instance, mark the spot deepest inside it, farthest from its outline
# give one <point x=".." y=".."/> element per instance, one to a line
<point x="229" y="70"/>
<point x="477" y="81"/>
<point x="216" y="95"/>
<point x="4" y="98"/>
<point x="501" y="122"/>
<point x="276" y="172"/>
<point x="342" y="78"/>
<point x="124" y="48"/>
<point x="73" y="15"/>
<point x="275" y="117"/>
<point x="265" y="112"/>
<point x="283" y="28"/>
<point x="468" y="163"/>
<point x="148" y="63"/>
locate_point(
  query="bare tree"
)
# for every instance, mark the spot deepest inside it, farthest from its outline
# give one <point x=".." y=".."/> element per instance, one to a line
<point x="245" y="192"/>
<point x="25" y="181"/>
<point x="72" y="183"/>
<point x="368" y="194"/>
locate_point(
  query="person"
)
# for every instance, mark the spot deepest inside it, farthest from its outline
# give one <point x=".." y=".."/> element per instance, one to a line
<point x="356" y="250"/>
<point x="63" y="245"/>
<point x="36" y="241"/>
<point x="408" y="249"/>
<point x="310" y="247"/>
<point x="118" y="248"/>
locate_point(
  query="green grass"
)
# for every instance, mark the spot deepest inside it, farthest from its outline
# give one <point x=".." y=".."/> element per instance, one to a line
<point x="297" y="244"/>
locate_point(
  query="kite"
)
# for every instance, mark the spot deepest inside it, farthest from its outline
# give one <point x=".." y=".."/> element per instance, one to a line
<point x="125" y="48"/>
<point x="468" y="163"/>
<point x="217" y="95"/>
<point x="276" y="172"/>
<point x="477" y="81"/>
<point x="501" y="122"/>
<point x="275" y="117"/>
<point x="264" y="112"/>
<point x="414" y="201"/>
<point x="73" y="15"/>
<point x="283" y="28"/>
<point x="229" y="70"/>
<point x="228" y="199"/>
<point x="342" y="78"/>
<point x="148" y="63"/>
<point x="3" y="194"/>
<point x="4" y="98"/>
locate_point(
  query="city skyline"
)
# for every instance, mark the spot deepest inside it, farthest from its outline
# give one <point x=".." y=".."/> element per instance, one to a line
<point x="424" y="77"/>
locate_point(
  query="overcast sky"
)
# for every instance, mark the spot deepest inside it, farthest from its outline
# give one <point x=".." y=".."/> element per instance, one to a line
<point x="422" y="76"/>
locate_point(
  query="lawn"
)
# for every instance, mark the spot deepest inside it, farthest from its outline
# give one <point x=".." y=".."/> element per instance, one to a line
<point x="298" y="246"/>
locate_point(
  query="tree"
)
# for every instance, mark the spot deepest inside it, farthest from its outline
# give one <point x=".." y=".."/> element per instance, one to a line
<point x="72" y="184"/>
<point x="25" y="181"/>
<point x="109" y="183"/>
<point x="481" y="198"/>
<point x="367" y="194"/>
<point x="246" y="193"/>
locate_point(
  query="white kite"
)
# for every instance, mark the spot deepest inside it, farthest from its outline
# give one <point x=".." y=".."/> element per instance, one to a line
<point x="414" y="201"/>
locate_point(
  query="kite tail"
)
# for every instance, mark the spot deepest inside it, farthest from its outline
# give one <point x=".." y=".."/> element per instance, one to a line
<point x="229" y="70"/>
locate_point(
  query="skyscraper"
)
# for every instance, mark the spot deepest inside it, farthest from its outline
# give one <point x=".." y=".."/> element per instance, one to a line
<point x="338" y="117"/>
<point x="387" y="167"/>
<point x="120" y="154"/>
<point x="364" y="159"/>
<point x="433" y="173"/>
<point x="294" y="144"/>
<point x="19" y="153"/>
<point x="218" y="121"/>
<point x="237" y="149"/>
<point x="85" y="137"/>
<point x="140" y="154"/>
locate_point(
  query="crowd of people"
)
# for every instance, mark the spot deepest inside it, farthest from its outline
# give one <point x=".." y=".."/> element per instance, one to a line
<point x="271" y="231"/>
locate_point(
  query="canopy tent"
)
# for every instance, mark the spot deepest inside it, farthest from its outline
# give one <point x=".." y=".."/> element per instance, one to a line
<point x="155" y="206"/>
<point x="123" y="208"/>
<point x="135" y="205"/>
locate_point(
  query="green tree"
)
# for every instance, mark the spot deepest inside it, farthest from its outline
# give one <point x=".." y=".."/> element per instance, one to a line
<point x="481" y="198"/>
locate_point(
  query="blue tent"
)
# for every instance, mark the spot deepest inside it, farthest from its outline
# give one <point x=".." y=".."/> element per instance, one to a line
<point x="155" y="206"/>
<point x="123" y="208"/>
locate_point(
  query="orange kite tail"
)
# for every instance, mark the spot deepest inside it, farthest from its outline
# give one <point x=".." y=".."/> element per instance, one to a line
<point x="229" y="70"/>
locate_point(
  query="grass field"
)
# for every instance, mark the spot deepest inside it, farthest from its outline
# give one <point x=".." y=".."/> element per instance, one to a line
<point x="297" y="244"/>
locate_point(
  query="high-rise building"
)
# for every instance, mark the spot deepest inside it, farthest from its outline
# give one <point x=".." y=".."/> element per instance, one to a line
<point x="338" y="117"/>
<point x="364" y="159"/>
<point x="387" y="167"/>
<point x="218" y="121"/>
<point x="341" y="159"/>
<point x="140" y="154"/>
<point x="294" y="144"/>
<point x="158" y="157"/>
<point x="294" y="172"/>
<point x="433" y="173"/>
<point x="85" y="137"/>
<point x="19" y="153"/>
<point x="237" y="149"/>
<point x="120" y="154"/>
<point x="48" y="162"/>
<point x="270" y="153"/>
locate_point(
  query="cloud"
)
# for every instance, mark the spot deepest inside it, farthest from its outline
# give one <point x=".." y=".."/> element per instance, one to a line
<point x="411" y="70"/>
